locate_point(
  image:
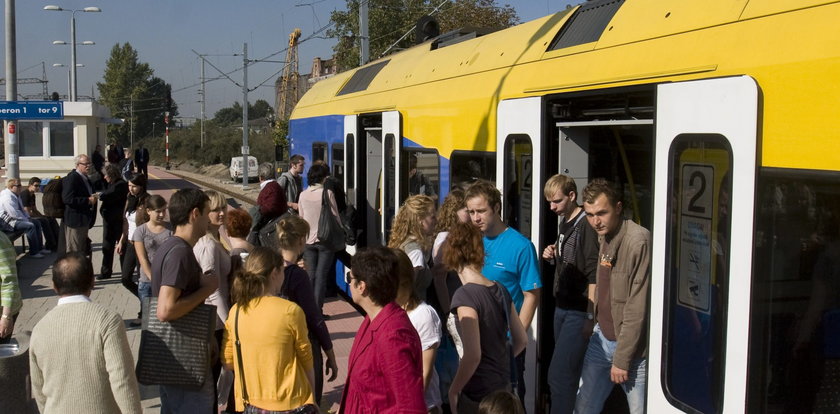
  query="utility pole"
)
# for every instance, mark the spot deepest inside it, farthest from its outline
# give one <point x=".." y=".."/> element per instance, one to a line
<point x="245" y="149"/>
<point x="131" y="133"/>
<point x="12" y="167"/>
<point x="364" y="39"/>
<point x="203" y="100"/>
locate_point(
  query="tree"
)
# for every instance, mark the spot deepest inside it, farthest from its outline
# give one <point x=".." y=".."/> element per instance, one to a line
<point x="391" y="19"/>
<point x="132" y="92"/>
<point x="232" y="115"/>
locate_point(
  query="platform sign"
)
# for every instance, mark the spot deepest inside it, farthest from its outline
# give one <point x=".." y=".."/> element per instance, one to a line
<point x="24" y="110"/>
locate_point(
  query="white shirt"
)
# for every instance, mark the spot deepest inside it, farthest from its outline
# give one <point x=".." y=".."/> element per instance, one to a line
<point x="64" y="300"/>
<point x="11" y="205"/>
<point x="426" y="322"/>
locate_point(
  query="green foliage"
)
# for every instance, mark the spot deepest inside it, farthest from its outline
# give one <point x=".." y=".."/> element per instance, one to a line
<point x="388" y="20"/>
<point x="221" y="144"/>
<point x="232" y="115"/>
<point x="131" y="84"/>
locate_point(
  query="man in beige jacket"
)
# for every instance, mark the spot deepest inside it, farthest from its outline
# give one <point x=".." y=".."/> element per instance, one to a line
<point x="617" y="351"/>
<point x="79" y="357"/>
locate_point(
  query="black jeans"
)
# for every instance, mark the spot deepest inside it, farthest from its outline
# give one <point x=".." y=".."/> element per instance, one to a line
<point x="129" y="265"/>
<point x="111" y="233"/>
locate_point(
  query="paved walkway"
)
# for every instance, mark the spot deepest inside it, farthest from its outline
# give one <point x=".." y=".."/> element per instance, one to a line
<point x="39" y="298"/>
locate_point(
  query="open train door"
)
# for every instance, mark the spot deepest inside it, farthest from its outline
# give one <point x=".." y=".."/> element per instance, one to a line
<point x="706" y="139"/>
<point x="390" y="189"/>
<point x="351" y="174"/>
<point x="519" y="141"/>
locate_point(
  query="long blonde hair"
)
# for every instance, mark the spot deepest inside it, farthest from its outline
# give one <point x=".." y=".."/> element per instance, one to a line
<point x="407" y="223"/>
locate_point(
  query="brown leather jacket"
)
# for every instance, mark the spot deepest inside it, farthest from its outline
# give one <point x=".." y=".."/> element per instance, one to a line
<point x="629" y="291"/>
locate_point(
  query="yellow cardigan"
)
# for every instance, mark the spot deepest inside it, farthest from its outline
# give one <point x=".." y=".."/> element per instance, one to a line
<point x="275" y="354"/>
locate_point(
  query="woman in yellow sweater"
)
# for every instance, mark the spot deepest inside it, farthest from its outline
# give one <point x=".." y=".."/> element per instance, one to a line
<point x="276" y="357"/>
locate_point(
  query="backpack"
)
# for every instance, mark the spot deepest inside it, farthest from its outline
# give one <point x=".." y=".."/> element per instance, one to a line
<point x="53" y="202"/>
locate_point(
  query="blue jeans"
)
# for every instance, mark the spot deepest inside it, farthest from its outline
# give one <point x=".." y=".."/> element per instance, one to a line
<point x="596" y="385"/>
<point x="567" y="360"/>
<point x="320" y="264"/>
<point x="33" y="234"/>
<point x="177" y="400"/>
<point x="144" y="290"/>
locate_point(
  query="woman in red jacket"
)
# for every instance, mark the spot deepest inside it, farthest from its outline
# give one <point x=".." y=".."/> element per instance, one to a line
<point x="385" y="373"/>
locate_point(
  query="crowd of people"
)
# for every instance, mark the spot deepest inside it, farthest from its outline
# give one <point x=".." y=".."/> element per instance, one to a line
<point x="447" y="303"/>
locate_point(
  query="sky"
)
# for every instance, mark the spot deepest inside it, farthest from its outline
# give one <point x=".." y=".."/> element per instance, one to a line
<point x="166" y="32"/>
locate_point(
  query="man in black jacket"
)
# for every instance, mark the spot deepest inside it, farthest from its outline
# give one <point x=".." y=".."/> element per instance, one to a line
<point x="113" y="204"/>
<point x="141" y="159"/>
<point x="79" y="205"/>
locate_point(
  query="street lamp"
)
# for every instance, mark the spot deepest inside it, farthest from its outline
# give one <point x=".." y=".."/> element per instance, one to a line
<point x="69" y="84"/>
<point x="73" y="42"/>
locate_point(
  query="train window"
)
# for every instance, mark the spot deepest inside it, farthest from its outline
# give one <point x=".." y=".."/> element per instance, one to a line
<point x="794" y="351"/>
<point x="518" y="185"/>
<point x="338" y="162"/>
<point x="587" y="24"/>
<point x="696" y="289"/>
<point x="420" y="174"/>
<point x="465" y="167"/>
<point x="362" y="78"/>
<point x="319" y="151"/>
<point x="389" y="209"/>
<point x="350" y="141"/>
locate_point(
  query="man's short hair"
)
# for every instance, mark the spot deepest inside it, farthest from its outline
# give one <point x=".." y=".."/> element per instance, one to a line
<point x="377" y="267"/>
<point x="559" y="182"/>
<point x="599" y="186"/>
<point x="35" y="180"/>
<point x="78" y="159"/>
<point x="317" y="173"/>
<point x="296" y="159"/>
<point x="183" y="202"/>
<point x="266" y="171"/>
<point x="486" y="189"/>
<point x="72" y="274"/>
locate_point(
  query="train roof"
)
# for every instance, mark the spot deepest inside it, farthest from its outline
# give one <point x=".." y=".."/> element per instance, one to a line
<point x="591" y="26"/>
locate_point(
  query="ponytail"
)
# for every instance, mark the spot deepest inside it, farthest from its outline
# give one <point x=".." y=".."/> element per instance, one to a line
<point x="254" y="277"/>
<point x="290" y="230"/>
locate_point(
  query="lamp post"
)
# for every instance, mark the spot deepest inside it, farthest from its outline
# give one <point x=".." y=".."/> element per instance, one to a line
<point x="69" y="82"/>
<point x="73" y="42"/>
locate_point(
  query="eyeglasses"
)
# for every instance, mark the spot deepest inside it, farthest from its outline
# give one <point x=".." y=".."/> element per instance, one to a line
<point x="84" y="163"/>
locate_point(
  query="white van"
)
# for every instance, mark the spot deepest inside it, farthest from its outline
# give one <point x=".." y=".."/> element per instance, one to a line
<point x="236" y="168"/>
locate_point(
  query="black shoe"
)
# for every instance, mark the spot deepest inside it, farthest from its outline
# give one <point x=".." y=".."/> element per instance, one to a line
<point x="135" y="323"/>
<point x="103" y="277"/>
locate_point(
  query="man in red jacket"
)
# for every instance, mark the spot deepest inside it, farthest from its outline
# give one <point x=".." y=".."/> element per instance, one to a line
<point x="272" y="198"/>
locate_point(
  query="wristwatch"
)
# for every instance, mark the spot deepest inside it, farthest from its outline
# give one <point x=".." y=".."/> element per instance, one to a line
<point x="590" y="316"/>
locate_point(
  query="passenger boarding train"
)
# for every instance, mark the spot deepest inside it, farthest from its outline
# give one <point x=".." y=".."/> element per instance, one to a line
<point x="718" y="118"/>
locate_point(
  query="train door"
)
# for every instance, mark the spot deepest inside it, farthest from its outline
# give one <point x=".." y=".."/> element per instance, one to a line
<point x="372" y="148"/>
<point x="706" y="134"/>
<point x="608" y="134"/>
<point x="519" y="140"/>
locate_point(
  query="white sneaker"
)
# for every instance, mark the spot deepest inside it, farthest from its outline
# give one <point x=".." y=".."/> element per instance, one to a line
<point x="37" y="255"/>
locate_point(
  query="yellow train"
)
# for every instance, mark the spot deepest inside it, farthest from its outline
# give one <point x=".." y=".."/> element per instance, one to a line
<point x="717" y="117"/>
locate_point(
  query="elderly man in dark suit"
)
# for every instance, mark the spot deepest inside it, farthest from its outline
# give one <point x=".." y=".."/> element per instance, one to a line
<point x="80" y="205"/>
<point x="141" y="159"/>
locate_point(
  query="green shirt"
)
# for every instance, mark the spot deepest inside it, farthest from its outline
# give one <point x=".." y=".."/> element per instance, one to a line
<point x="9" y="289"/>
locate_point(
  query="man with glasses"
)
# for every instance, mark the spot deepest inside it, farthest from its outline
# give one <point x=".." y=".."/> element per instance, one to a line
<point x="80" y="205"/>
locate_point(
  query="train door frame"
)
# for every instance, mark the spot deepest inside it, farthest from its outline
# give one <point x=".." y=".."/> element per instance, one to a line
<point x="519" y="118"/>
<point x="721" y="107"/>
<point x="381" y="133"/>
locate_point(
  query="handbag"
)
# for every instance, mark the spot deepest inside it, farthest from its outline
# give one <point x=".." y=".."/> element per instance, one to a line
<point x="330" y="230"/>
<point x="176" y="352"/>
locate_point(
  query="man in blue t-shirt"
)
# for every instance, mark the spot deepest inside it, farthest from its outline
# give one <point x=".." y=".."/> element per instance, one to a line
<point x="510" y="259"/>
